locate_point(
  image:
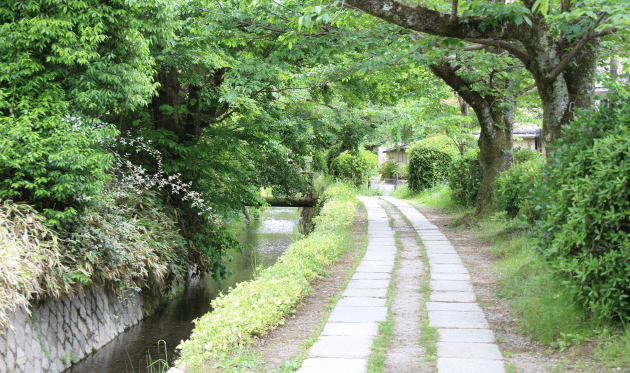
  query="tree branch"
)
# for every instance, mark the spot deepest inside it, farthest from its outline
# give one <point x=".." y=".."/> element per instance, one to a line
<point x="454" y="10"/>
<point x="516" y="51"/>
<point x="423" y="19"/>
<point x="578" y="47"/>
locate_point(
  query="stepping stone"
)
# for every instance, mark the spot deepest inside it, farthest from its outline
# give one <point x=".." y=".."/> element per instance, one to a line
<point x="364" y="329"/>
<point x="454" y="319"/>
<point x="316" y="365"/>
<point x="456" y="365"/>
<point x="443" y="285"/>
<point x="378" y="261"/>
<point x="445" y="259"/>
<point x="361" y="302"/>
<point x="453" y="296"/>
<point x="344" y="347"/>
<point x="381" y="248"/>
<point x="450" y="276"/>
<point x="370" y="293"/>
<point x="433" y="238"/>
<point x="368" y="284"/>
<point x="448" y="268"/>
<point x="358" y="314"/>
<point x="372" y="276"/>
<point x="461" y="307"/>
<point x="485" y="351"/>
<point x="466" y="335"/>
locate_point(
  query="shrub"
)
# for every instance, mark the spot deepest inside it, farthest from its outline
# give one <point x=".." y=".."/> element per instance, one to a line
<point x="258" y="305"/>
<point x="522" y="155"/>
<point x="464" y="178"/>
<point x="403" y="170"/>
<point x="354" y="167"/>
<point x="584" y="235"/>
<point x="513" y="186"/>
<point x="429" y="161"/>
<point x="126" y="239"/>
<point x="46" y="163"/>
<point x="388" y="168"/>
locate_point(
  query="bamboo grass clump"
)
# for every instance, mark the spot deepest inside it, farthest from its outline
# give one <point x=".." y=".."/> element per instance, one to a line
<point x="30" y="261"/>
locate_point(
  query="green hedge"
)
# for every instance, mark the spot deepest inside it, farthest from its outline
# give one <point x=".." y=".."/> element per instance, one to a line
<point x="522" y="155"/>
<point x="428" y="162"/>
<point x="259" y="305"/>
<point x="388" y="168"/>
<point x="585" y="233"/>
<point x="354" y="167"/>
<point x="464" y="178"/>
<point x="513" y="186"/>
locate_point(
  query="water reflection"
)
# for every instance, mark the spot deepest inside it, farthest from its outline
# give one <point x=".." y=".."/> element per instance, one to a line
<point x="264" y="240"/>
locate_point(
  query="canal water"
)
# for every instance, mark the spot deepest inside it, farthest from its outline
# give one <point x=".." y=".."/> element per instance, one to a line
<point x="264" y="240"/>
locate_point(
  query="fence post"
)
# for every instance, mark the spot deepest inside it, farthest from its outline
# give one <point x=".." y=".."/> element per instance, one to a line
<point x="395" y="180"/>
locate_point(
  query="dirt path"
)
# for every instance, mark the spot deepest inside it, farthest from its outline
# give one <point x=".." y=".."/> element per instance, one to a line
<point x="406" y="354"/>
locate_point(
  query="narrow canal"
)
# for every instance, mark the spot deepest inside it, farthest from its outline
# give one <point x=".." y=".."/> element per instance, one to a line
<point x="264" y="240"/>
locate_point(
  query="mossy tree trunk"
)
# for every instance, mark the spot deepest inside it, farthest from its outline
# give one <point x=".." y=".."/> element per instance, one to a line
<point x="496" y="118"/>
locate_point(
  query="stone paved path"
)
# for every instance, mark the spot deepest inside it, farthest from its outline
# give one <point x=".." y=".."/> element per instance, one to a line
<point x="344" y="344"/>
<point x="466" y="344"/>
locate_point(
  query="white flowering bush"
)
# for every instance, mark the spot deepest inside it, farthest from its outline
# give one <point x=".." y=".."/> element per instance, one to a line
<point x="263" y="303"/>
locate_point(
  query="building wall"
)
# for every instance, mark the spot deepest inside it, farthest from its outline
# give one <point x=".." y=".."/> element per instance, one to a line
<point x="65" y="330"/>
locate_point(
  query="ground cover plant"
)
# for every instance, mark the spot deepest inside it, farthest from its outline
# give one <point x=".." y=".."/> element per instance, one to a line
<point x="258" y="305"/>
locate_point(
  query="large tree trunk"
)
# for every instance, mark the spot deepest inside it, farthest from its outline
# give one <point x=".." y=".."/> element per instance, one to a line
<point x="496" y="117"/>
<point x="572" y="89"/>
<point x="495" y="148"/>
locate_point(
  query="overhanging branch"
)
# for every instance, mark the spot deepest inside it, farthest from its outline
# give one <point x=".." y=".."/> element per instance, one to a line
<point x="513" y="49"/>
<point x="581" y="44"/>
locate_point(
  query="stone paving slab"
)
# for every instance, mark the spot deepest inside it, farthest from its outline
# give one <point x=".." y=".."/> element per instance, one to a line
<point x="486" y="351"/>
<point x="358" y="314"/>
<point x="453" y="296"/>
<point x="381" y="248"/>
<point x="445" y="259"/>
<point x="378" y="261"/>
<point x="448" y="306"/>
<point x="448" y="268"/>
<point x="370" y="293"/>
<point x="371" y="276"/>
<point x="454" y="319"/>
<point x="433" y="238"/>
<point x="466" y="335"/>
<point x="444" y="285"/>
<point x="387" y="257"/>
<point x="455" y="365"/>
<point x="361" y="302"/>
<point x="316" y="365"/>
<point x="450" y="276"/>
<point x="344" y="347"/>
<point x="436" y="242"/>
<point x="364" y="329"/>
<point x="373" y="268"/>
<point x="368" y="284"/>
<point x="436" y="253"/>
<point x="438" y="247"/>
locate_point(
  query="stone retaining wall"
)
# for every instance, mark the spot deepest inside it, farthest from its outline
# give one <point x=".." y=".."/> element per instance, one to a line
<point x="64" y="331"/>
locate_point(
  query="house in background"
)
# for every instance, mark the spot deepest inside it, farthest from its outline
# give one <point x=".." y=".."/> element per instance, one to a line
<point x="397" y="154"/>
<point x="526" y="137"/>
